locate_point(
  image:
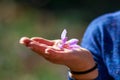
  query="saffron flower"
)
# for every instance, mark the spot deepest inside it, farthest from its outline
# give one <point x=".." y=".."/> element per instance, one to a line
<point x="69" y="44"/>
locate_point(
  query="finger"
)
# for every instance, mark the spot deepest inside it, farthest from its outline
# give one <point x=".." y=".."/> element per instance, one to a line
<point x="58" y="53"/>
<point x="43" y="41"/>
<point x="38" y="48"/>
<point x="58" y="56"/>
<point x="25" y="41"/>
<point x="53" y="54"/>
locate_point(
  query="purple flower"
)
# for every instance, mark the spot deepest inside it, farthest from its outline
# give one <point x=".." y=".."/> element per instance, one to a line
<point x="65" y="43"/>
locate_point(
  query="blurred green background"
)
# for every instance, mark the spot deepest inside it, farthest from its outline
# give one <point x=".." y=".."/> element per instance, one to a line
<point x="44" y="18"/>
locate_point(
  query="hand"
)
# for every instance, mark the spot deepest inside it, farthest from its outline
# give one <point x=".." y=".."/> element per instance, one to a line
<point x="78" y="59"/>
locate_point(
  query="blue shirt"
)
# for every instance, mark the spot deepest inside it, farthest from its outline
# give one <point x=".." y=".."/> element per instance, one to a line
<point x="102" y="39"/>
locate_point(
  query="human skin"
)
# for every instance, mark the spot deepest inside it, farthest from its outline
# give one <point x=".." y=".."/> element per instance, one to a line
<point x="78" y="59"/>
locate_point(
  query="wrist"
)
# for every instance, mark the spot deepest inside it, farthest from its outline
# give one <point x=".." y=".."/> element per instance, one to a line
<point x="84" y="72"/>
<point x="88" y="76"/>
<point x="87" y="73"/>
<point x="83" y="66"/>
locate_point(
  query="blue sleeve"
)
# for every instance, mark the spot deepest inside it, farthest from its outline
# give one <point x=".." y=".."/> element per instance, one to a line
<point x="93" y="41"/>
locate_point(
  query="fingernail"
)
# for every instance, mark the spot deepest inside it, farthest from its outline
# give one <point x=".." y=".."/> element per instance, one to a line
<point x="25" y="41"/>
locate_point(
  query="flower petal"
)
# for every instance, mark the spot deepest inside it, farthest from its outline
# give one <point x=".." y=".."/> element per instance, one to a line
<point x="75" y="46"/>
<point x="63" y="34"/>
<point x="73" y="41"/>
<point x="64" y="40"/>
<point x="71" y="44"/>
